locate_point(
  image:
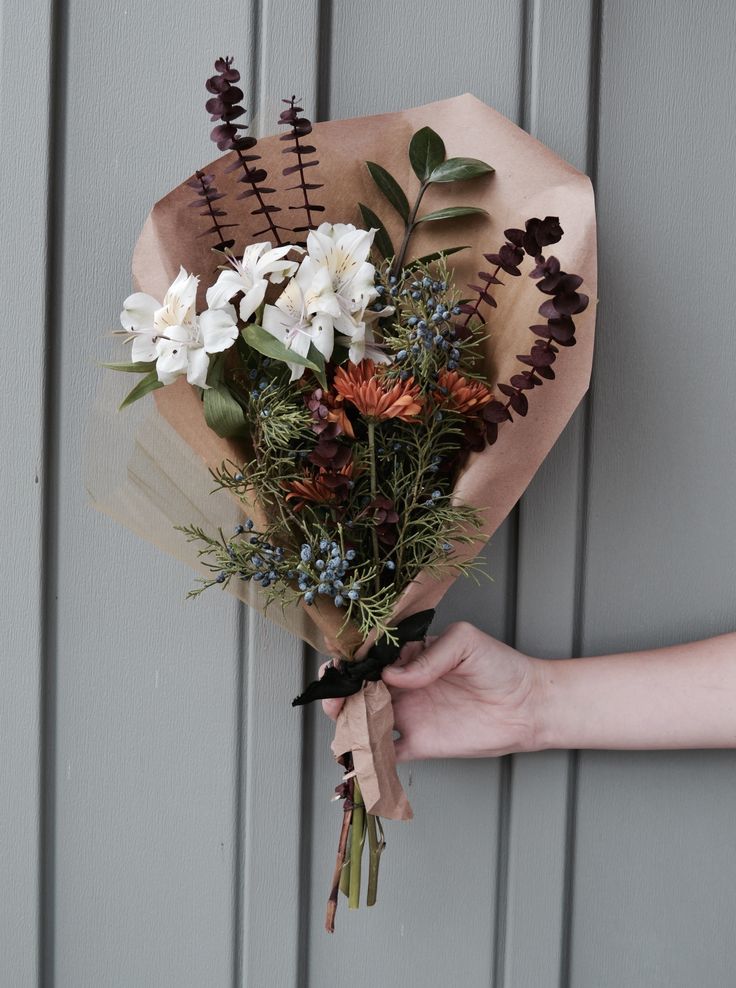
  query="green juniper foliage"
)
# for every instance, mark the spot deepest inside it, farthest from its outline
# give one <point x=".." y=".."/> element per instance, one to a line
<point x="361" y="547"/>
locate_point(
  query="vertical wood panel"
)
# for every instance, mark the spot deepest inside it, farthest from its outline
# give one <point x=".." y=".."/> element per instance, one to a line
<point x="562" y="48"/>
<point x="26" y="39"/>
<point x="273" y="786"/>
<point x="146" y="700"/>
<point x="273" y="821"/>
<point x="655" y="862"/>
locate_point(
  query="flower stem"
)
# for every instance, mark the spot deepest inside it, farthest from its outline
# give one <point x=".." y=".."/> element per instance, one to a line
<point x="409" y="229"/>
<point x="375" y="849"/>
<point x="337" y="874"/>
<point x="356" y="846"/>
<point x="374" y="492"/>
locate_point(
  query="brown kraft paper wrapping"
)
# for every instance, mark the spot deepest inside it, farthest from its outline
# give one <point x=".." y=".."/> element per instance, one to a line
<point x="529" y="180"/>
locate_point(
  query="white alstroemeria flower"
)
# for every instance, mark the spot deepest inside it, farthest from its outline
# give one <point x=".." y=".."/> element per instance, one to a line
<point x="251" y="275"/>
<point x="174" y="335"/>
<point x="360" y="339"/>
<point x="343" y="250"/>
<point x="297" y="320"/>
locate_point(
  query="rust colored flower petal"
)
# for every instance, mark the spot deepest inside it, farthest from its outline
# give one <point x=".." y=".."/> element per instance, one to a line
<point x="339" y="416"/>
<point x="326" y="487"/>
<point x="460" y="393"/>
<point x="374" y="395"/>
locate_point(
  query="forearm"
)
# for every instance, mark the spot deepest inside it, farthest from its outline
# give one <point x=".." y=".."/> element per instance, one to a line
<point x="678" y="697"/>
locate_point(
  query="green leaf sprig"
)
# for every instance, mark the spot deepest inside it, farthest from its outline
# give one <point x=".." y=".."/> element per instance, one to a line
<point x="431" y="165"/>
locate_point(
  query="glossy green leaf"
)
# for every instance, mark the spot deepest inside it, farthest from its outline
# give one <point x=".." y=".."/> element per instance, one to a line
<point x="145" y="386"/>
<point x="390" y="188"/>
<point x="318" y="362"/>
<point x="452" y="213"/>
<point x="428" y="258"/>
<point x="460" y="169"/>
<point x="382" y="241"/>
<point x="222" y="412"/>
<point x="426" y="152"/>
<point x="134" y="367"/>
<point x="262" y="341"/>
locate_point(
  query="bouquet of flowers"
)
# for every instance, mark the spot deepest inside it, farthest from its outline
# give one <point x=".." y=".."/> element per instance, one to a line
<point x="324" y="351"/>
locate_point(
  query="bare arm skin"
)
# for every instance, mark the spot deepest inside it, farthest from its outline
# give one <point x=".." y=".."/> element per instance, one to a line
<point x="466" y="695"/>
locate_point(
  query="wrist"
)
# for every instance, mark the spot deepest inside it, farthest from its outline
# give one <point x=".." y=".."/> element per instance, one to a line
<point x="552" y="714"/>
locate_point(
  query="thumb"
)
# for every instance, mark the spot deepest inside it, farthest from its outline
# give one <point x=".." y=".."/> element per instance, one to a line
<point x="331" y="707"/>
<point x="432" y="663"/>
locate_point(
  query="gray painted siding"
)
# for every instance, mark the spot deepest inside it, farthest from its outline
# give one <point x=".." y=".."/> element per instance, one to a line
<point x="166" y="818"/>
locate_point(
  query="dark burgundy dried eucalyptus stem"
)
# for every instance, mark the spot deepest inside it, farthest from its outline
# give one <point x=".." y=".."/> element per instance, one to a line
<point x="207" y="196"/>
<point x="558" y="310"/>
<point x="565" y="302"/>
<point x="225" y="106"/>
<point x="300" y="127"/>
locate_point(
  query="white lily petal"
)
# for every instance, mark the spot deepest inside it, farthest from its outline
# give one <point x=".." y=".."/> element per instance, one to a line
<point x="227" y="286"/>
<point x="276" y="322"/>
<point x="291" y="300"/>
<point x="186" y="334"/>
<point x="297" y="371"/>
<point x="183" y="291"/>
<point x="252" y="299"/>
<point x="253" y="252"/>
<point x="360" y="287"/>
<point x="272" y="264"/>
<point x="138" y="312"/>
<point x="299" y="341"/>
<point x="172" y="361"/>
<point x="143" y="348"/>
<point x="278" y="273"/>
<point x="320" y="242"/>
<point x="323" y="336"/>
<point x="315" y="282"/>
<point x="372" y="315"/>
<point x="218" y="329"/>
<point x="198" y="366"/>
<point x="349" y="325"/>
<point x="377" y="355"/>
<point x="356" y="243"/>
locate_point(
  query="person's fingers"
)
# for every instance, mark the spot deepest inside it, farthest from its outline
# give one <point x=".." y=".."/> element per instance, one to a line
<point x="408" y="653"/>
<point x="429" y="664"/>
<point x="331" y="707"/>
<point x="402" y="751"/>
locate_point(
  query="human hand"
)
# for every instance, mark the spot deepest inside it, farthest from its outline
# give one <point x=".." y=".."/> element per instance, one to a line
<point x="463" y="695"/>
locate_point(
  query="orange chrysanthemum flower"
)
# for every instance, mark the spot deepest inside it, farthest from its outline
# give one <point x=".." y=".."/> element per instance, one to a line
<point x="460" y="393"/>
<point x="325" y="487"/>
<point x="374" y="395"/>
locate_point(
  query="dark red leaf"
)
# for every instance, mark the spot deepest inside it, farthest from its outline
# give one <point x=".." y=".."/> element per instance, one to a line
<point x="519" y="403"/>
<point x="570" y="303"/>
<point x="525" y="381"/>
<point x="496" y="411"/>
<point x="491" y="432"/>
<point x="562" y="330"/>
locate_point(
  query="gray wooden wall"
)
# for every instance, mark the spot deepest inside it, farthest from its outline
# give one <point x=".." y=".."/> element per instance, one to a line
<point x="165" y="817"/>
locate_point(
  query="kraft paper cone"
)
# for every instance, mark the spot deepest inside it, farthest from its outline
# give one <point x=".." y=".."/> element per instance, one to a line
<point x="529" y="180"/>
